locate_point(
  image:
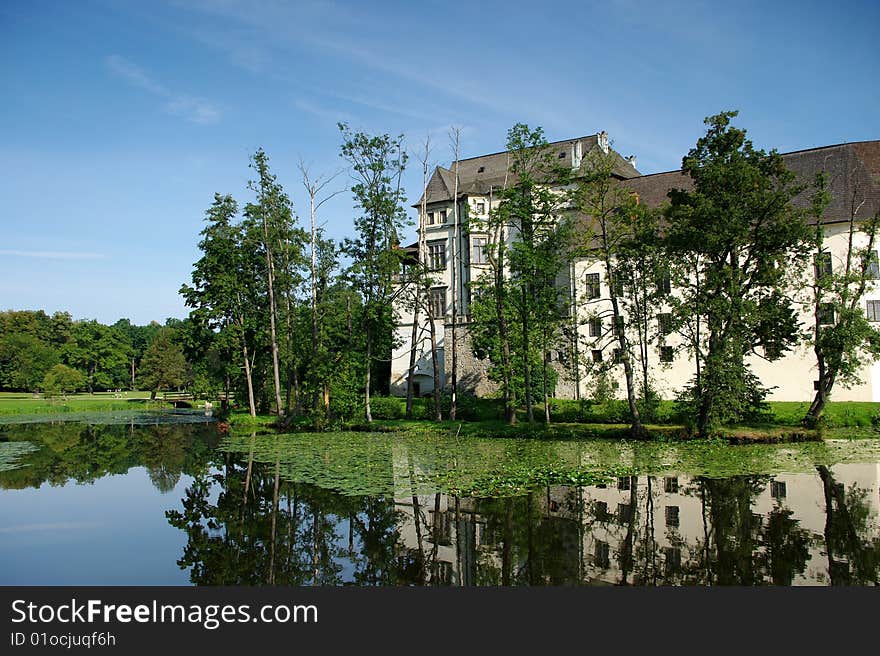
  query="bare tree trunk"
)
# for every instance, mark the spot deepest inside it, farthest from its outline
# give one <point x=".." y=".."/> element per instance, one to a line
<point x="432" y="326"/>
<point x="455" y="135"/>
<point x="270" y="280"/>
<point x="412" y="359"/>
<point x="252" y="406"/>
<point x="368" y="414"/>
<point x="274" y="522"/>
<point x="544" y="390"/>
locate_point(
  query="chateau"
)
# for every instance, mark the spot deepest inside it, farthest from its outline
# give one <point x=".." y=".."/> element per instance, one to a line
<point x="854" y="184"/>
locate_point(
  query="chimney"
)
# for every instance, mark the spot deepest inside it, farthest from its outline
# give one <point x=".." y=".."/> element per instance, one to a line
<point x="577" y="154"/>
<point x="603" y="141"/>
<point x="632" y="160"/>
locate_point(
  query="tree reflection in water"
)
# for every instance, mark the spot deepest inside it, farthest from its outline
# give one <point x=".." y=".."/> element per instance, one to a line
<point x="251" y="522"/>
<point x="307" y="535"/>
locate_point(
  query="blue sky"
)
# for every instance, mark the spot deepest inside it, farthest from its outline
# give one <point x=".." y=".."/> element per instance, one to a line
<point x="121" y="119"/>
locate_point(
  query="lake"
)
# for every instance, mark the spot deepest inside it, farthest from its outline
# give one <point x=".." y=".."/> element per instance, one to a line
<point x="172" y="499"/>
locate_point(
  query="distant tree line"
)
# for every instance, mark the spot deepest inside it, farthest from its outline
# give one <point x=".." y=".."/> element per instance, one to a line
<point x="59" y="355"/>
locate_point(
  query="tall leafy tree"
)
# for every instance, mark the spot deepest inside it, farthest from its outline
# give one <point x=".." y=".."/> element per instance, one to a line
<point x="610" y="209"/>
<point x="842" y="338"/>
<point x="376" y="165"/>
<point x="532" y="210"/>
<point x="749" y="240"/>
<point x="163" y="366"/>
<point x="271" y="223"/>
<point x="223" y="294"/>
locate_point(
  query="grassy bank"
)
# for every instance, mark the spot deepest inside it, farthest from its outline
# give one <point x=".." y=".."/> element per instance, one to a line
<point x="12" y="403"/>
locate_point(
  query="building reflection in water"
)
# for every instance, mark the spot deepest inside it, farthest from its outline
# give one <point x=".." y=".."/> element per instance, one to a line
<point x="248" y="526"/>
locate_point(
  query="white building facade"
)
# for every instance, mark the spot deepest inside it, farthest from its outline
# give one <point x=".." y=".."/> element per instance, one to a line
<point x="854" y="174"/>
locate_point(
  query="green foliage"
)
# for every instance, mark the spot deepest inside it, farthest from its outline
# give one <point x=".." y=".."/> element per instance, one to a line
<point x="739" y="241"/>
<point x="100" y="352"/>
<point x="164" y="366"/>
<point x="63" y="380"/>
<point x="25" y="360"/>
<point x="518" y="312"/>
<point x="376" y="164"/>
<point x="849" y="342"/>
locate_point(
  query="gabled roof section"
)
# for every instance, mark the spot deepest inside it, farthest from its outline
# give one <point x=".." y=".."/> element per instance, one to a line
<point x="477" y="175"/>
<point x="853" y="170"/>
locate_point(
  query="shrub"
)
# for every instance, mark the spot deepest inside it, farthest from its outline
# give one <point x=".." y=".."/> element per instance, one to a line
<point x="387" y="407"/>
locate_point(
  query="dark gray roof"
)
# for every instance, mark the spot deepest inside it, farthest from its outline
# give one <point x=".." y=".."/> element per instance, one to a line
<point x="853" y="170"/>
<point x="476" y="175"/>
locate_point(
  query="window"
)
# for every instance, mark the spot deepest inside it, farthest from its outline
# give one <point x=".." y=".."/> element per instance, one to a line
<point x="442" y="214"/>
<point x="671" y="560"/>
<point x="872" y="266"/>
<point x="617" y="358"/>
<point x="671" y="516"/>
<point x="596" y="327"/>
<point x="443" y="524"/>
<point x="429" y="218"/>
<point x="619" y="324"/>
<point x="777" y="489"/>
<point x="437" y="254"/>
<point x="481" y="169"/>
<point x="601" y="511"/>
<point x="664" y="323"/>
<point x="478" y="250"/>
<point x="624" y="513"/>
<point x="623" y="483"/>
<point x="562" y="155"/>
<point x="592" y="285"/>
<point x="670" y="484"/>
<point x="873" y="311"/>
<point x="664" y="284"/>
<point x="619" y="291"/>
<point x="666" y="354"/>
<point x="438" y="302"/>
<point x="825" y="316"/>
<point x="822" y="264"/>
<point x="597" y="355"/>
<point x="481" y="208"/>
<point x="602" y="554"/>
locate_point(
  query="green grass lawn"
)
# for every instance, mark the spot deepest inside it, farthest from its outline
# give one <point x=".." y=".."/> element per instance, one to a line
<point x="15" y="403"/>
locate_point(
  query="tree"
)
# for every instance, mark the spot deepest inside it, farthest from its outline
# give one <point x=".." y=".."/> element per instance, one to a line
<point x="24" y="361"/>
<point x="163" y="366"/>
<point x="420" y="283"/>
<point x="315" y="188"/>
<point x="610" y="209"/>
<point x="63" y="380"/>
<point x="645" y="278"/>
<point x="532" y="211"/>
<point x="491" y="308"/>
<point x="842" y="338"/>
<point x="749" y="241"/>
<point x="223" y="296"/>
<point x="271" y="219"/>
<point x="455" y="139"/>
<point x="101" y="352"/>
<point x="377" y="164"/>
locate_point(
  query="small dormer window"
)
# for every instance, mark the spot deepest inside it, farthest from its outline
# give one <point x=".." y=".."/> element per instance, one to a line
<point x="481" y="169"/>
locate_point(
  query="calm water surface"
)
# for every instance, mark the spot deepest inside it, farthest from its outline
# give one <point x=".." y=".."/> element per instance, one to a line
<point x="175" y="502"/>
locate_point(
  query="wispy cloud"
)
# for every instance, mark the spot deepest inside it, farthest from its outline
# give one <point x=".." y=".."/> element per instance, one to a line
<point x="53" y="255"/>
<point x="192" y="108"/>
<point x="54" y="526"/>
<point x="309" y="107"/>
